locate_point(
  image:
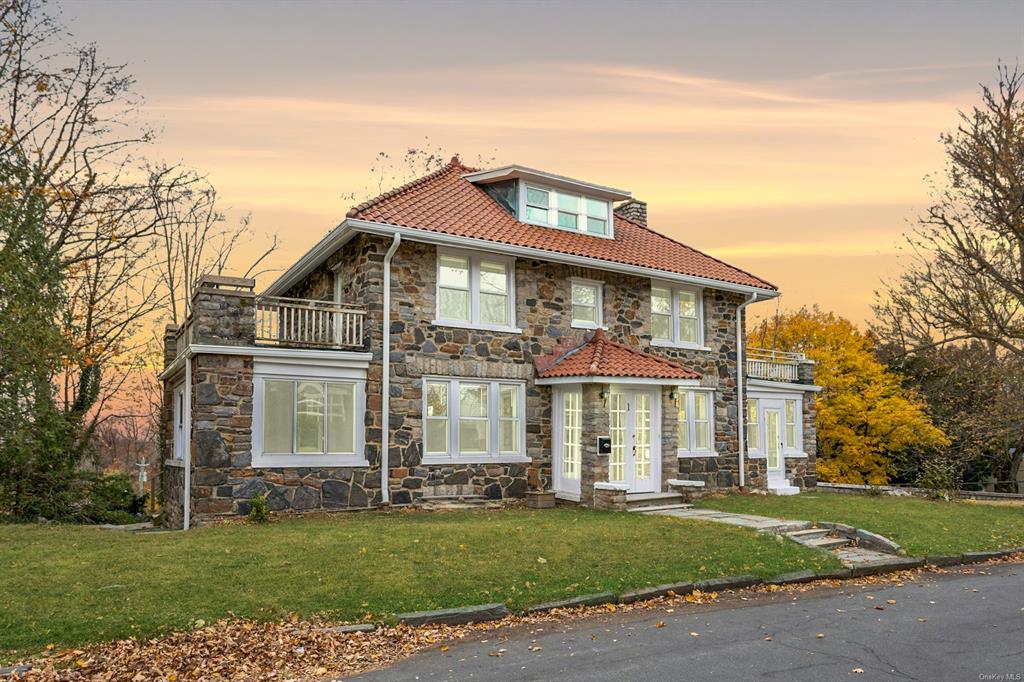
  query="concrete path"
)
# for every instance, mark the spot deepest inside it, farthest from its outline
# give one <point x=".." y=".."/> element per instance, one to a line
<point x="952" y="626"/>
<point x="764" y="524"/>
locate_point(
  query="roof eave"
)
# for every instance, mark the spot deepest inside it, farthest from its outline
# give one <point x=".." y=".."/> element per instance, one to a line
<point x="549" y="179"/>
<point x="641" y="381"/>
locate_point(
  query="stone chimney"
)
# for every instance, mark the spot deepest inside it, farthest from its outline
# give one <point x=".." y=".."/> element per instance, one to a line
<point x="634" y="210"/>
<point x="224" y="311"/>
<point x="170" y="344"/>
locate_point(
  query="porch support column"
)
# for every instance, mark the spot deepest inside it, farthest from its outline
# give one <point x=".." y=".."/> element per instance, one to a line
<point x="593" y="467"/>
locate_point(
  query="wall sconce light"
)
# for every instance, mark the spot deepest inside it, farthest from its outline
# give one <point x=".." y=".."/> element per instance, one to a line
<point x="603" y="395"/>
<point x="673" y="395"/>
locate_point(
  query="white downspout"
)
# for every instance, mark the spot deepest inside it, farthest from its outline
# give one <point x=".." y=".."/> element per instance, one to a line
<point x="741" y="376"/>
<point x="187" y="515"/>
<point x="385" y="380"/>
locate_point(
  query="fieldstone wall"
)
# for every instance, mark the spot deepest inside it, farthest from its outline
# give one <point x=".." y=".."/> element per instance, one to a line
<point x="172" y="506"/>
<point x="609" y="500"/>
<point x="594" y="424"/>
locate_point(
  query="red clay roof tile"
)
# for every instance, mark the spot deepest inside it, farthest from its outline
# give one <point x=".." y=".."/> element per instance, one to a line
<point x="445" y="202"/>
<point x="601" y="357"/>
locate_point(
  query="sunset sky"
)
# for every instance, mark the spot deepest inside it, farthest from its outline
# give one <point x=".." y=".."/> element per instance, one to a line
<point x="791" y="139"/>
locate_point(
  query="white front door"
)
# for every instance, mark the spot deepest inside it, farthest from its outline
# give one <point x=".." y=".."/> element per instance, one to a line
<point x="567" y="441"/>
<point x="773" y="445"/>
<point x="634" y="417"/>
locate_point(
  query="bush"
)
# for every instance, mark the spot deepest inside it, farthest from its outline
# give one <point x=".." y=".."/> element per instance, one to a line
<point x="258" y="511"/>
<point x="941" y="477"/>
<point x="111" y="499"/>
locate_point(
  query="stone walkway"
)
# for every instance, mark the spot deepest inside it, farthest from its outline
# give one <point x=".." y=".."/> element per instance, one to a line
<point x="764" y="524"/>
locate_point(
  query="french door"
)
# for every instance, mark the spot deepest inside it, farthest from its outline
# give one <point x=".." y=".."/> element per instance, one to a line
<point x="773" y="444"/>
<point x="567" y="441"/>
<point x="634" y="417"/>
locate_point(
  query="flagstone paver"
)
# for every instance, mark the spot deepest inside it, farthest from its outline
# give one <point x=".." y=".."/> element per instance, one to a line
<point x="764" y="524"/>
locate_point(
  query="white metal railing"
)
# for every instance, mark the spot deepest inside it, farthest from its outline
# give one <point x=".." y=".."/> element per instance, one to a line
<point x="302" y="322"/>
<point x="777" y="365"/>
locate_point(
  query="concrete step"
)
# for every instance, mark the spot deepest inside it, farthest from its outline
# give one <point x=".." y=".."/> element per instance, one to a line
<point x="640" y="500"/>
<point x="826" y="543"/>
<point x="654" y="509"/>
<point x="809" y="534"/>
<point x="783" y="489"/>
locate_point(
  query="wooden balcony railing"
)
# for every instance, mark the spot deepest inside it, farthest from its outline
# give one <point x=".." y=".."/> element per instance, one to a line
<point x="308" y="323"/>
<point x="776" y="365"/>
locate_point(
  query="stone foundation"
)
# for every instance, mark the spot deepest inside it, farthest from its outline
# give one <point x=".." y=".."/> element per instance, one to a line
<point x="609" y="500"/>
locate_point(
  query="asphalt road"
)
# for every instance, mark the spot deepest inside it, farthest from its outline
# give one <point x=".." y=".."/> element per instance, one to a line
<point x="950" y="626"/>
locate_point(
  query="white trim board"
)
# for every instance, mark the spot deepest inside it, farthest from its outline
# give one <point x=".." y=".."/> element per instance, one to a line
<point x="623" y="381"/>
<point x="781" y="386"/>
<point x="343" y="232"/>
<point x="296" y="356"/>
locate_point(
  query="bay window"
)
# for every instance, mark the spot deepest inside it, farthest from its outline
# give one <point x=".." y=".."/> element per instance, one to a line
<point x="676" y="316"/>
<point x="474" y="290"/>
<point x="695" y="423"/>
<point x="473" y="420"/>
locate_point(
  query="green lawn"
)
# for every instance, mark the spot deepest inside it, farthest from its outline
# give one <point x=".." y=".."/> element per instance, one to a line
<point x="921" y="526"/>
<point x="71" y="585"/>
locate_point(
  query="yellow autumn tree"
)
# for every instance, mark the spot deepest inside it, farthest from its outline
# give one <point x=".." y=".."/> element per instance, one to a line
<point x="866" y="417"/>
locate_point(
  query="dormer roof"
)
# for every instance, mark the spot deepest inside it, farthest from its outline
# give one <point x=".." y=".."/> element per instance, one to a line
<point x="516" y="172"/>
<point x="600" y="357"/>
<point x="447" y="207"/>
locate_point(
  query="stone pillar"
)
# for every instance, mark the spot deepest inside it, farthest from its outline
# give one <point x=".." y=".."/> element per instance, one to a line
<point x="809" y="475"/>
<point x="224" y="311"/>
<point x="593" y="467"/>
<point x="669" y="438"/>
<point x="223" y="314"/>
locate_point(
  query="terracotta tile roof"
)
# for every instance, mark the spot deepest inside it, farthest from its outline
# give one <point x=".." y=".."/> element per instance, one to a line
<point x="601" y="357"/>
<point x="445" y="202"/>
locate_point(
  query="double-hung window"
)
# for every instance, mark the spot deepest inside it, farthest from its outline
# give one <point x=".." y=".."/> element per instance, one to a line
<point x="753" y="426"/>
<point x="790" y="414"/>
<point x="474" y="290"/>
<point x="676" y="316"/>
<point x="309" y="421"/>
<point x="696" y="426"/>
<point x="586" y="303"/>
<point x="473" y="420"/>
<point x="569" y="211"/>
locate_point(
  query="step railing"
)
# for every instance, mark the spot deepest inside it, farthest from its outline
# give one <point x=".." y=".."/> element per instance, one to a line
<point x="775" y="365"/>
<point x="308" y="323"/>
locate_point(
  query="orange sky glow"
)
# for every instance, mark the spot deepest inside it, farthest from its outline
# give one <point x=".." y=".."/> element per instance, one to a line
<point x="792" y="140"/>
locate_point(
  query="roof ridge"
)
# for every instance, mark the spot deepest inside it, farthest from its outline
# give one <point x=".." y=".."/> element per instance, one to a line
<point x="455" y="162"/>
<point x="695" y="250"/>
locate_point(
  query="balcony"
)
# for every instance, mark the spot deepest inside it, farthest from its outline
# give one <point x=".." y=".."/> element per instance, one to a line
<point x="774" y="365"/>
<point x="303" y="323"/>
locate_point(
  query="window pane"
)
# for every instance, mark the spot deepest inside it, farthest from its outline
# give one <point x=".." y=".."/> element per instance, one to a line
<point x="493" y="277"/>
<point x="437" y="436"/>
<point x="753" y="429"/>
<point x="597" y="226"/>
<point x="569" y="202"/>
<point x="508" y="403"/>
<point x="597" y="209"/>
<point x="508" y="435"/>
<point x="494" y="309"/>
<point x="687" y="303"/>
<point x="661" y="301"/>
<point x="700" y="406"/>
<point x="661" y="327"/>
<point x="437" y="399"/>
<point x="309" y="417"/>
<point x="569" y="220"/>
<point x="536" y="197"/>
<point x="473" y="436"/>
<point x="584" y="314"/>
<point x="701" y="436"/>
<point x="584" y="294"/>
<point x="539" y="215"/>
<point x="341" y="421"/>
<point x="473" y="400"/>
<point x="454" y="304"/>
<point x="277" y="416"/>
<point x="790" y="411"/>
<point x="688" y="330"/>
<point x="454" y="272"/>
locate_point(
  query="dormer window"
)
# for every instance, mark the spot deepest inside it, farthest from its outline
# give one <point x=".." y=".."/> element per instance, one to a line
<point x="569" y="211"/>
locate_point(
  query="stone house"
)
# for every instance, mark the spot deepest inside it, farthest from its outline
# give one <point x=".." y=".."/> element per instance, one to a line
<point x="481" y="333"/>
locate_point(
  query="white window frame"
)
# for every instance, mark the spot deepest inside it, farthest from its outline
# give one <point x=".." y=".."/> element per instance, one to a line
<point x="552" y="219"/>
<point x="674" y="341"/>
<point x="787" y="444"/>
<point x="688" y="449"/>
<point x="598" y="286"/>
<point x="181" y="439"/>
<point x="776" y="400"/>
<point x="493" y="455"/>
<point x="474" y="258"/>
<point x="753" y="427"/>
<point x="323" y="375"/>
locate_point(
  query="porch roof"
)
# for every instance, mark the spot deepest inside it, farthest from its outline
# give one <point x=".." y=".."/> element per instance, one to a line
<point x="601" y="357"/>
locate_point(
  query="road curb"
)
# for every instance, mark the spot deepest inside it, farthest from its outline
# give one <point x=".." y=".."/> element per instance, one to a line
<point x="732" y="582"/>
<point x="645" y="593"/>
<point x="585" y="600"/>
<point x="457" y="616"/>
